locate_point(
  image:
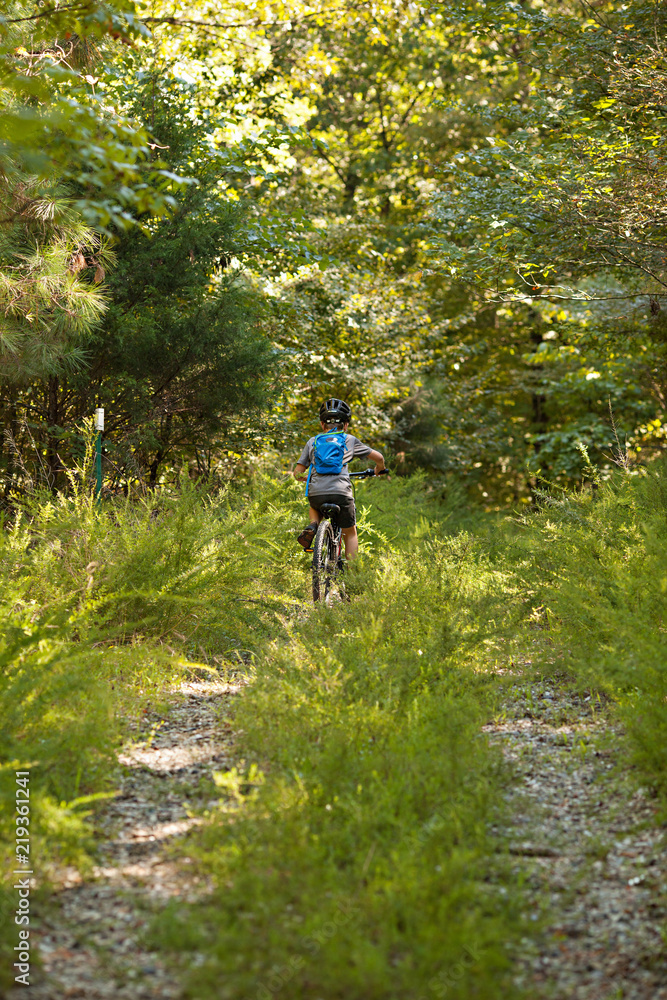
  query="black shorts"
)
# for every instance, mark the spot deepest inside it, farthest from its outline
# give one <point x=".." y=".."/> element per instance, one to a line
<point x="348" y="515"/>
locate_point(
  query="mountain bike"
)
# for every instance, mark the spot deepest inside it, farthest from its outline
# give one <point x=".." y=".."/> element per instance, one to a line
<point x="327" y="548"/>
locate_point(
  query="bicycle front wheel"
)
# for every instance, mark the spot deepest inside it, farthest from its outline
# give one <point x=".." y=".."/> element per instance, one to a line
<point x="324" y="561"/>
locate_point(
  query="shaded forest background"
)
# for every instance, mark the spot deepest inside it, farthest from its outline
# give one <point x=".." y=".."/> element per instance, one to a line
<point x="451" y="215"/>
<point x="211" y="218"/>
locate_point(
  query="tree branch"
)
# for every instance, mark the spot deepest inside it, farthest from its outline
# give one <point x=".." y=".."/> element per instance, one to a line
<point x="218" y="26"/>
<point x="47" y="13"/>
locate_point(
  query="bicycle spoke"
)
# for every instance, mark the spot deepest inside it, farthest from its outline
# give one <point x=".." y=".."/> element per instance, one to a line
<point x="325" y="559"/>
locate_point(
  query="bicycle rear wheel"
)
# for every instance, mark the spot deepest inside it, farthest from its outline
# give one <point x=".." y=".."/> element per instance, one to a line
<point x="324" y="561"/>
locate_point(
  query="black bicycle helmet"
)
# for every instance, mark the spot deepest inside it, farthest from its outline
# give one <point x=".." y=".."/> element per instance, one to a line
<point x="335" y="411"/>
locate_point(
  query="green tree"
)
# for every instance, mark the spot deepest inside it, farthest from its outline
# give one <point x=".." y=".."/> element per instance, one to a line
<point x="71" y="166"/>
<point x="61" y="116"/>
<point x="51" y="269"/>
<point x="178" y="358"/>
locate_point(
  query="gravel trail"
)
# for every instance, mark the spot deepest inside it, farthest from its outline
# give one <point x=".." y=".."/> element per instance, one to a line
<point x="587" y="842"/>
<point x="88" y="935"/>
<point x="591" y="848"/>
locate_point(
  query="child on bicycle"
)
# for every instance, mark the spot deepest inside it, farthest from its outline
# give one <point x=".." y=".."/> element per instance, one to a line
<point x="334" y="487"/>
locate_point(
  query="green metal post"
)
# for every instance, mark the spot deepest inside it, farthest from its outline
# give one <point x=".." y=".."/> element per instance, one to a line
<point x="99" y="427"/>
<point x="98" y="466"/>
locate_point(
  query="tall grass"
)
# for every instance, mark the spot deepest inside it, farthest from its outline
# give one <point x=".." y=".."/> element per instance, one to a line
<point x="595" y="564"/>
<point x="101" y="609"/>
<point x="352" y="851"/>
<point x="361" y="864"/>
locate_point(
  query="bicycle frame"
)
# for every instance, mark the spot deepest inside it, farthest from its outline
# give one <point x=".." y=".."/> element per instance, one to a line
<point x="327" y="548"/>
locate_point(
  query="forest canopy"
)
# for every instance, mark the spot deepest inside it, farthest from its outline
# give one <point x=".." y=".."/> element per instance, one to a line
<point x="452" y="215"/>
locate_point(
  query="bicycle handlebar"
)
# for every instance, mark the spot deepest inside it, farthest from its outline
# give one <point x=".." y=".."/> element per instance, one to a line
<point x="367" y="473"/>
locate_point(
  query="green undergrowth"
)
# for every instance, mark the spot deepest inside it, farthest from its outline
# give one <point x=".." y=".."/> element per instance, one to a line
<point x="593" y="568"/>
<point x="102" y="609"/>
<point x="351" y="852"/>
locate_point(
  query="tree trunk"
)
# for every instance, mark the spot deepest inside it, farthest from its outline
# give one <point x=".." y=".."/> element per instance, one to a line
<point x="352" y="182"/>
<point x="52" y="460"/>
<point x="10" y="443"/>
<point x="154" y="466"/>
<point x="164" y="444"/>
<point x="540" y="418"/>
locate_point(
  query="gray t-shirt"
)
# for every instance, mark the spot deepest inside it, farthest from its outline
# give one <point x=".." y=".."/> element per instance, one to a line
<point x="341" y="483"/>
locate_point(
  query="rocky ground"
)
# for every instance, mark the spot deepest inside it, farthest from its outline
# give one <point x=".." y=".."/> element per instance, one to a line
<point x="588" y="843"/>
<point x="90" y="937"/>
<point x="591" y="848"/>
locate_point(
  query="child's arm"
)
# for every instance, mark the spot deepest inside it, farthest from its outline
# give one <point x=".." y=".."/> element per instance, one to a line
<point x="304" y="460"/>
<point x="377" y="457"/>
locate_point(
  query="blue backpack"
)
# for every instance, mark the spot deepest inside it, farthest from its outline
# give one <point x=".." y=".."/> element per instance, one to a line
<point x="328" y="455"/>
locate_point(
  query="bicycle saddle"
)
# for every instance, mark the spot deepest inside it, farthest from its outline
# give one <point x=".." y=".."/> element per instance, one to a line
<point x="328" y="509"/>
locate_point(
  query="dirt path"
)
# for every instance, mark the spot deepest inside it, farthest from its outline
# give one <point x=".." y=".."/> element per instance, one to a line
<point x="586" y="841"/>
<point x="89" y="936"/>
<point x="590" y="847"/>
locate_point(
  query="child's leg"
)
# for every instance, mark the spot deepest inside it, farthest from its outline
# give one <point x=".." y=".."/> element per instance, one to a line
<point x="308" y="533"/>
<point x="351" y="542"/>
